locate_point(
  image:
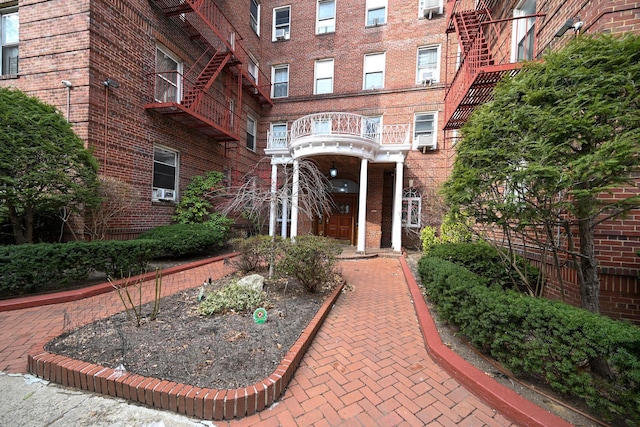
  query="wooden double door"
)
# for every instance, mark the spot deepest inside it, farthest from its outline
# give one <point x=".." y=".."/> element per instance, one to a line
<point x="340" y="223"/>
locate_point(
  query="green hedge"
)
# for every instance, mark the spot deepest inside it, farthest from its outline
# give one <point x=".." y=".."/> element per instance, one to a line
<point x="542" y="339"/>
<point x="188" y="239"/>
<point x="33" y="267"/>
<point x="484" y="260"/>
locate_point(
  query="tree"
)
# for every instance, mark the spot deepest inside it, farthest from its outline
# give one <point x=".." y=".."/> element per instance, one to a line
<point x="44" y="166"/>
<point x="542" y="159"/>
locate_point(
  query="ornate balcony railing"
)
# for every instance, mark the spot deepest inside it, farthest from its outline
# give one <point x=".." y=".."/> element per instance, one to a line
<point x="348" y="129"/>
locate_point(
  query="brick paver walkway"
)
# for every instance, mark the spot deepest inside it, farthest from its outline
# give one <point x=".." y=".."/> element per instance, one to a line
<point x="367" y="366"/>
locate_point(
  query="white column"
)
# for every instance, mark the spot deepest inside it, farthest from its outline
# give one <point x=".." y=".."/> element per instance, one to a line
<point x="396" y="228"/>
<point x="285" y="214"/>
<point x="362" y="207"/>
<point x="273" y="205"/>
<point x="294" y="199"/>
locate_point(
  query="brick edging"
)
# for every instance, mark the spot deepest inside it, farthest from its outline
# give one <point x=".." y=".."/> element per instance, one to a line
<point x="203" y="403"/>
<point x="101" y="288"/>
<point x="500" y="397"/>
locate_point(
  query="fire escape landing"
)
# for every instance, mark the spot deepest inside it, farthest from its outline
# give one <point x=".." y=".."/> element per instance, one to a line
<point x="192" y="97"/>
<point x="488" y="50"/>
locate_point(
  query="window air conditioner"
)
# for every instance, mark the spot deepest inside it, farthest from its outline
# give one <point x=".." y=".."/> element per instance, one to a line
<point x="426" y="77"/>
<point x="280" y="34"/>
<point x="430" y="7"/>
<point x="426" y="141"/>
<point x="164" y="194"/>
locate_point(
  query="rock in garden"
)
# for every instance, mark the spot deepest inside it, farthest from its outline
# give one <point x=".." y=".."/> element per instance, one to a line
<point x="253" y="281"/>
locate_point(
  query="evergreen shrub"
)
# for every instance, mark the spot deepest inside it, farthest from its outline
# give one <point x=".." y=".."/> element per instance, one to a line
<point x="545" y="340"/>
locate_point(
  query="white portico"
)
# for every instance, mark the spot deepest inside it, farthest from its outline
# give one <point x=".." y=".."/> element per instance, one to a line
<point x="332" y="135"/>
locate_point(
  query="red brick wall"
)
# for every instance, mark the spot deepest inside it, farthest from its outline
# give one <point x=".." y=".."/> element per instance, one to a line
<point x="87" y="42"/>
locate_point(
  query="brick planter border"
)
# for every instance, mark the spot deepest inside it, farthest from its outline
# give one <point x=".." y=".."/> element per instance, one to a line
<point x="203" y="403"/>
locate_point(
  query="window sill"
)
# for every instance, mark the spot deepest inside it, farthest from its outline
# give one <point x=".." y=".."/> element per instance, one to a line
<point x="9" y="76"/>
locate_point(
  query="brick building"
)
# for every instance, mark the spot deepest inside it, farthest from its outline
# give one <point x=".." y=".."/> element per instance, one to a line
<point x="373" y="90"/>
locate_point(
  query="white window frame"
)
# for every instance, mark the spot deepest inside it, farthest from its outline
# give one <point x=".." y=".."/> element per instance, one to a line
<point x="279" y="138"/>
<point x="252" y="132"/>
<point x="327" y="24"/>
<point x="374" y="63"/>
<point x="411" y="208"/>
<point x="372" y="128"/>
<point x="286" y="27"/>
<point x="274" y="84"/>
<point x="424" y="3"/>
<point x="435" y="71"/>
<point x="523" y="31"/>
<point x="373" y="5"/>
<point x="9" y="45"/>
<point x="164" y="83"/>
<point x="254" y="69"/>
<point x="420" y="117"/>
<point x="254" y="21"/>
<point x="317" y="76"/>
<point x="162" y="192"/>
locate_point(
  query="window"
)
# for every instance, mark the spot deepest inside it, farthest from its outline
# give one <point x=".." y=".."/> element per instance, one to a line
<point x="428" y="8"/>
<point x="280" y="78"/>
<point x="374" y="71"/>
<point x="278" y="135"/>
<point x="254" y="14"/>
<point x="281" y="23"/>
<point x="411" y="208"/>
<point x="251" y="133"/>
<point x="424" y="126"/>
<point x="165" y="174"/>
<point x="523" y="31"/>
<point x="253" y="69"/>
<point x="322" y="126"/>
<point x="372" y="127"/>
<point x="326" y="21"/>
<point x="323" y="76"/>
<point x="168" y="76"/>
<point x="9" y="26"/>
<point x="428" y="65"/>
<point x="376" y="12"/>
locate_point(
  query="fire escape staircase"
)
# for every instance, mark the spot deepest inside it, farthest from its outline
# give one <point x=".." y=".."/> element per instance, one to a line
<point x="479" y="71"/>
<point x="202" y="105"/>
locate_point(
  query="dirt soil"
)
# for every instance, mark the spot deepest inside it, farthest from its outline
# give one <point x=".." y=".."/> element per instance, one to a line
<point x="223" y="351"/>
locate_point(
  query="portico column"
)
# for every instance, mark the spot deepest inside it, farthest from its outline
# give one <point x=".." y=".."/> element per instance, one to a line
<point x="362" y="207"/>
<point x="396" y="228"/>
<point x="285" y="214"/>
<point x="294" y="199"/>
<point x="273" y="202"/>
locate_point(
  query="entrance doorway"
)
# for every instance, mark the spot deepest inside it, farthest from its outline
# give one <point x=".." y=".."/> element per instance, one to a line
<point x="340" y="223"/>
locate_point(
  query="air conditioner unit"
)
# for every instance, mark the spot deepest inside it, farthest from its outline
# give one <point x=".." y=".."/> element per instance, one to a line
<point x="280" y="34"/>
<point x="164" y="194"/>
<point x="426" y="141"/>
<point x="430" y="7"/>
<point x="426" y="77"/>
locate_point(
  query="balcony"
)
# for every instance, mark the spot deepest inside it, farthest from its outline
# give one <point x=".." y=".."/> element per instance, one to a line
<point x="340" y="134"/>
<point x="490" y="49"/>
<point x="201" y="109"/>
